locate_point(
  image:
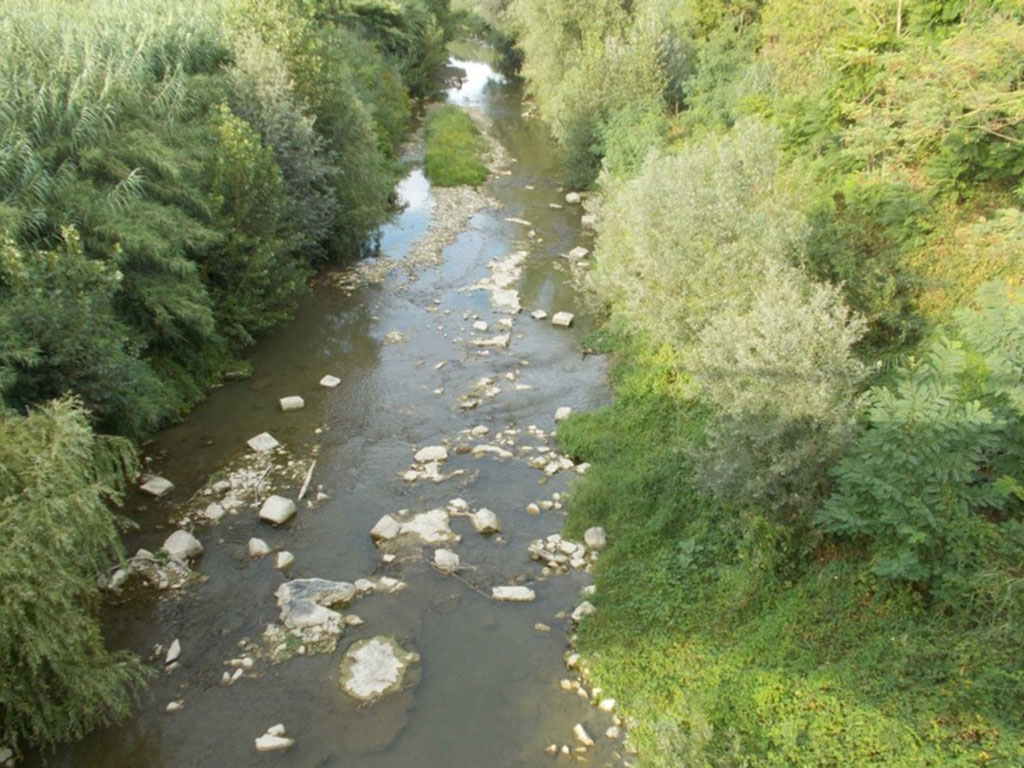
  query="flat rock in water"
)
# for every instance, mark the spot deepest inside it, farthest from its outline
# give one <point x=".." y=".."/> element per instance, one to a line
<point x="330" y="381"/>
<point x="480" y="325"/>
<point x="501" y="340"/>
<point x="512" y="594"/>
<point x="485" y="521"/>
<point x="538" y="314"/>
<point x="588" y="221"/>
<point x="562" y="319"/>
<point x="173" y="652"/>
<point x="292" y="403"/>
<point x="431" y="453"/>
<point x="157" y="486"/>
<point x="182" y="545"/>
<point x="386" y="529"/>
<point x="263" y="442"/>
<point x="306" y="603"/>
<point x="573" y="198"/>
<point x="270" y="743"/>
<point x="214" y="512"/>
<point x="374" y="667"/>
<point x="277" y="510"/>
<point x="431" y="527"/>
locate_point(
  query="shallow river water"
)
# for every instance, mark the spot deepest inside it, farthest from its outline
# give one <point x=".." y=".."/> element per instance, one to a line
<point x="486" y="692"/>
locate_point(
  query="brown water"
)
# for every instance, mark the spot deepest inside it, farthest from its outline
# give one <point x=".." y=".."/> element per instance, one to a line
<point x="488" y="691"/>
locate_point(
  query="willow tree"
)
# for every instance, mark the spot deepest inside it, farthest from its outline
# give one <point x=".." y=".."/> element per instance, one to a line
<point x="57" y="533"/>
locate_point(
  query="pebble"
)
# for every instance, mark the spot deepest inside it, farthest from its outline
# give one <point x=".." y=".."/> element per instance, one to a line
<point x="270" y="743"/>
<point x="173" y="653"/>
<point x="174" y="706"/>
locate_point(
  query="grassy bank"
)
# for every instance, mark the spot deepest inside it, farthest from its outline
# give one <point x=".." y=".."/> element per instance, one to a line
<point x="454" y="149"/>
<point x="728" y="641"/>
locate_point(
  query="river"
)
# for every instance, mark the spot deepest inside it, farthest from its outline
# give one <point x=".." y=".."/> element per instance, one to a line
<point x="488" y="690"/>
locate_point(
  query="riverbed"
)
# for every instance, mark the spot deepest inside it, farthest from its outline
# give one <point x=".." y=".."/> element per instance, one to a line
<point x="488" y="690"/>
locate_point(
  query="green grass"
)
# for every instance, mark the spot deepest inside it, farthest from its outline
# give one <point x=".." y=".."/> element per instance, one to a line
<point x="727" y="644"/>
<point x="454" y="149"/>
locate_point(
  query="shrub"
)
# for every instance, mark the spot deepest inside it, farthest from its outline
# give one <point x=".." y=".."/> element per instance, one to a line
<point x="693" y="233"/>
<point x="57" y="680"/>
<point x="782" y="379"/>
<point x="931" y="484"/>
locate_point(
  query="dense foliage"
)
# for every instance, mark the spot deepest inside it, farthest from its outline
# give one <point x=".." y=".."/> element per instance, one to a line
<point x="809" y="240"/>
<point x="171" y="174"/>
<point x="57" y="680"/>
<point x="208" y="156"/>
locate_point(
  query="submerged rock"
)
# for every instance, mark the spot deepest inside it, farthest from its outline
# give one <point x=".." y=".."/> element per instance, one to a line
<point x="374" y="667"/>
<point x="263" y="442"/>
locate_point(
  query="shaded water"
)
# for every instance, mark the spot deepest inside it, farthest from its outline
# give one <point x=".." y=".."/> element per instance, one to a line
<point x="488" y="691"/>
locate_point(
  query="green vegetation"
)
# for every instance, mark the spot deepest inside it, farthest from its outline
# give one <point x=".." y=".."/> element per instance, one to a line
<point x="171" y="174"/>
<point x="57" y="681"/>
<point x="454" y="148"/>
<point x="809" y="226"/>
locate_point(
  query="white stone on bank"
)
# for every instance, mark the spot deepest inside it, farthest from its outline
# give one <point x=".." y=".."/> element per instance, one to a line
<point x="595" y="538"/>
<point x="563" y="413"/>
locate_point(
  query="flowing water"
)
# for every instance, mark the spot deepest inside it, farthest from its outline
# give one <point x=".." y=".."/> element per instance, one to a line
<point x="487" y="692"/>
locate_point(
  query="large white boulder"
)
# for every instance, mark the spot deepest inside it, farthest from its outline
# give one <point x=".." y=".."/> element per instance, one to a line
<point x="562" y="319"/>
<point x="277" y="510"/>
<point x="374" y="667"/>
<point x="573" y="198"/>
<point x="563" y="413"/>
<point x="182" y="545"/>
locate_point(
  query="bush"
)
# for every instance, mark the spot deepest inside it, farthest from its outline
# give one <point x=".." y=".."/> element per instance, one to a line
<point x="693" y="233"/>
<point x="931" y="488"/>
<point x="57" y="680"/>
<point x="454" y="147"/>
<point x="782" y="379"/>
